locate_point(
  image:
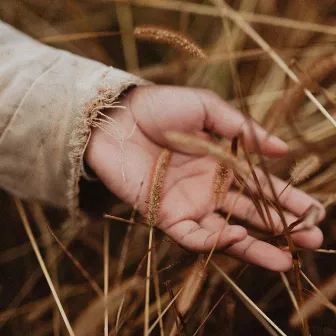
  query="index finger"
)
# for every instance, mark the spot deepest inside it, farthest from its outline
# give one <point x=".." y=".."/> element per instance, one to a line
<point x="228" y="122"/>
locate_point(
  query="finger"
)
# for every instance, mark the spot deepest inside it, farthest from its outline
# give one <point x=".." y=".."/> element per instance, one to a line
<point x="243" y="208"/>
<point x="192" y="110"/>
<point x="227" y="121"/>
<point x="193" y="237"/>
<point x="292" y="199"/>
<point x="311" y="239"/>
<point x="262" y="254"/>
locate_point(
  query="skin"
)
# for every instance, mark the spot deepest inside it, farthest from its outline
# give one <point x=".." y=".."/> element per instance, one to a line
<point x="187" y="212"/>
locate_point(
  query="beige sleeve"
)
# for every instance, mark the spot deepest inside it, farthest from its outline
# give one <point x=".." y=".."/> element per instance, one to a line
<point x="48" y="98"/>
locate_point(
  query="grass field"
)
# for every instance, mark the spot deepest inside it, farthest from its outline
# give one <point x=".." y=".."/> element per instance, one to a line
<point x="275" y="60"/>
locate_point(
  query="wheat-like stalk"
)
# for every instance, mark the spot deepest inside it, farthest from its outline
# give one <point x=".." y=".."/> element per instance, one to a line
<point x="310" y="78"/>
<point x="155" y="196"/>
<point x="169" y="36"/>
<point x="247" y="301"/>
<point x="187" y="143"/>
<point x="155" y="193"/>
<point x="304" y="168"/>
<point x="315" y="303"/>
<point x="106" y="276"/>
<point x="221" y="182"/>
<point x="35" y="247"/>
<point x="210" y="11"/>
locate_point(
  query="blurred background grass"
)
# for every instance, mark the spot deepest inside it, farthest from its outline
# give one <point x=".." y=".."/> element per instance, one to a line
<point x="302" y="33"/>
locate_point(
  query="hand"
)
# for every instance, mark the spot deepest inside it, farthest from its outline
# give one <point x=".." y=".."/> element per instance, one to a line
<point x="187" y="209"/>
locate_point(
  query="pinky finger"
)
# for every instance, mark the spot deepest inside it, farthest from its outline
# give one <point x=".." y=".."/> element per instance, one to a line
<point x="257" y="252"/>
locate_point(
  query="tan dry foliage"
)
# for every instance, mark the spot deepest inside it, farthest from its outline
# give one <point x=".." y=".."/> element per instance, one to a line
<point x="92" y="317"/>
<point x="316" y="302"/>
<point x="169" y="36"/>
<point x="221" y="182"/>
<point x="191" y="144"/>
<point x="192" y="287"/>
<point x="155" y="194"/>
<point x="304" y="168"/>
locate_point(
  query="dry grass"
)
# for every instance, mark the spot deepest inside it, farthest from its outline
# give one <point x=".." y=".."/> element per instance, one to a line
<point x="244" y="50"/>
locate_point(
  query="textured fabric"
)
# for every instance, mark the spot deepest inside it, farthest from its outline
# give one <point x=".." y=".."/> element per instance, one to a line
<point x="47" y="99"/>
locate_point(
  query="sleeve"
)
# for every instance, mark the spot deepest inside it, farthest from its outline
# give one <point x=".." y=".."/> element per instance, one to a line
<point x="48" y="98"/>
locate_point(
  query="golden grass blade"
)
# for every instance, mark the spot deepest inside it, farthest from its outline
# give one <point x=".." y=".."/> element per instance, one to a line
<point x="106" y="276"/>
<point x="246" y="299"/>
<point x="253" y="34"/>
<point x="243" y="24"/>
<point x="148" y="272"/>
<point x="315" y="303"/>
<point x="304" y="168"/>
<point x="188" y="143"/>
<point x="117" y="326"/>
<point x="125" y="20"/>
<point x="127" y="238"/>
<point x="85" y="274"/>
<point x="291" y="295"/>
<point x="43" y="224"/>
<point x="226" y="222"/>
<point x="327" y="303"/>
<point x="325" y="251"/>
<point x="207" y="10"/>
<point x="76" y="36"/>
<point x="32" y="280"/>
<point x="192" y="288"/>
<point x="128" y="221"/>
<point x="209" y="313"/>
<point x="37" y="308"/>
<point x="247" y="28"/>
<point x="165" y="311"/>
<point x="154" y="201"/>
<point x="171" y="37"/>
<point x="31" y="237"/>
<point x="156" y="282"/>
<point x="92" y="318"/>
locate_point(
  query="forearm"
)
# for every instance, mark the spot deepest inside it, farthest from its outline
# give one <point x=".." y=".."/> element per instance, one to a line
<point x="48" y="98"/>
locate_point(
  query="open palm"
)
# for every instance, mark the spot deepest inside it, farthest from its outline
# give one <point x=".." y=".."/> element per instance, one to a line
<point x="187" y="212"/>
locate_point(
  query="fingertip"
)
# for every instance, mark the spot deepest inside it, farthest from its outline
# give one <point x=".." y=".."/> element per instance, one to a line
<point x="310" y="239"/>
<point x="262" y="254"/>
<point x="274" y="146"/>
<point x="284" y="263"/>
<point x="277" y="261"/>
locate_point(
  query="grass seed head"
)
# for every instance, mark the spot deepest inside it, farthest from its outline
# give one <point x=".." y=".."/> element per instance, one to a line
<point x="304" y="168"/>
<point x="174" y="38"/>
<point x="221" y="182"/>
<point x="155" y="194"/>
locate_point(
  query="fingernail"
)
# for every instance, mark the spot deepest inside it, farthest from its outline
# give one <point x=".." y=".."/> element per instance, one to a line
<point x="289" y="255"/>
<point x="275" y="141"/>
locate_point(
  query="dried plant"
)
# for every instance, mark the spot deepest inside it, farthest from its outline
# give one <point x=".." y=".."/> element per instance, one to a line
<point x="310" y="78"/>
<point x="156" y="189"/>
<point x="315" y="303"/>
<point x="304" y="168"/>
<point x="259" y="92"/>
<point x="191" y="144"/>
<point x="221" y="182"/>
<point x="169" y="36"/>
<point x="154" y="202"/>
